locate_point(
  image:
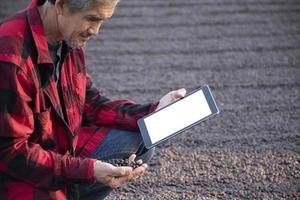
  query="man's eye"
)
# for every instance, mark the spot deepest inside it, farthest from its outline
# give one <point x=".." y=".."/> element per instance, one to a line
<point x="94" y="19"/>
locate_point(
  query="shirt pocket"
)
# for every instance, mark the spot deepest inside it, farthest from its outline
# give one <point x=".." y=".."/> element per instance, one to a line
<point x="43" y="130"/>
<point x="79" y="87"/>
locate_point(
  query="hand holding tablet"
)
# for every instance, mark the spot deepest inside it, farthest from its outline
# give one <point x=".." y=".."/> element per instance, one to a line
<point x="171" y="97"/>
<point x="180" y="115"/>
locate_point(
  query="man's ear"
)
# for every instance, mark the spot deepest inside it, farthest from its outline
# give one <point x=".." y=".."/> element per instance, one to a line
<point x="61" y="6"/>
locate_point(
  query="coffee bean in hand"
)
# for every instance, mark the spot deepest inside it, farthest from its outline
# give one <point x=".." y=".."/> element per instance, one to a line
<point x="122" y="162"/>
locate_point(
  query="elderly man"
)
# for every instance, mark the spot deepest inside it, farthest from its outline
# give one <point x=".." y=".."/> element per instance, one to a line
<point x="56" y="129"/>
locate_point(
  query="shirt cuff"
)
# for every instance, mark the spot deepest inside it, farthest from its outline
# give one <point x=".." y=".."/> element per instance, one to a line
<point x="153" y="107"/>
<point x="90" y="175"/>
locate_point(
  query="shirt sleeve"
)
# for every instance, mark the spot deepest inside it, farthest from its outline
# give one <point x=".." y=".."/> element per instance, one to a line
<point x="121" y="114"/>
<point x="25" y="160"/>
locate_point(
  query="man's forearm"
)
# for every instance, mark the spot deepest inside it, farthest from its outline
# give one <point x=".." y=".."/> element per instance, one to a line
<point x="122" y="114"/>
<point x="44" y="169"/>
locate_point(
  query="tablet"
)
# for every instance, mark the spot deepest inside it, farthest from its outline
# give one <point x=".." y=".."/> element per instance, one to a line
<point x="177" y="117"/>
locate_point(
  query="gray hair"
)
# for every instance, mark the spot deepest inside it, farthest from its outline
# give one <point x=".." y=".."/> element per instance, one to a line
<point x="79" y="5"/>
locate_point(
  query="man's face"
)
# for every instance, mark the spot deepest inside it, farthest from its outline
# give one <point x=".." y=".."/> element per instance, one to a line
<point x="78" y="28"/>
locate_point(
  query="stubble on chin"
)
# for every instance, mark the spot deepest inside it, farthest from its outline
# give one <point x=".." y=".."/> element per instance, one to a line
<point x="74" y="44"/>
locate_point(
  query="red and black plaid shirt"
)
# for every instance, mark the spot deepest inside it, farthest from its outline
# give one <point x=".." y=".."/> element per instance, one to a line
<point x="37" y="145"/>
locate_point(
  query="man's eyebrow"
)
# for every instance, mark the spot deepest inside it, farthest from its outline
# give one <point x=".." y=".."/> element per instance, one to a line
<point x="95" y="18"/>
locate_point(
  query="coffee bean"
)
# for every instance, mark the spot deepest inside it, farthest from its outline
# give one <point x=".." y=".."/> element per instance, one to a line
<point x="122" y="162"/>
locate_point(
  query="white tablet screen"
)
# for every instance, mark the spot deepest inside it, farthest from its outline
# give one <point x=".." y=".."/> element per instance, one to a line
<point x="177" y="116"/>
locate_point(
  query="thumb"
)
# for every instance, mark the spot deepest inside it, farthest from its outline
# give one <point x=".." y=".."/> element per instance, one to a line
<point x="121" y="171"/>
<point x="179" y="93"/>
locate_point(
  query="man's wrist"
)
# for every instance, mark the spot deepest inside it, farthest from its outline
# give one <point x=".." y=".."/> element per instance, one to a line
<point x="96" y="163"/>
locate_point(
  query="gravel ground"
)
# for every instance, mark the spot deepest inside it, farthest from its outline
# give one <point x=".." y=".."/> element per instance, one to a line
<point x="248" y="52"/>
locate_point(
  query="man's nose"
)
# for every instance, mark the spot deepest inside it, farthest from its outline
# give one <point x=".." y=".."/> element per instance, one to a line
<point x="94" y="30"/>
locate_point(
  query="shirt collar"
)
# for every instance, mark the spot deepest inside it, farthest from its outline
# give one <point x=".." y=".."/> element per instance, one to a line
<point x="38" y="33"/>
